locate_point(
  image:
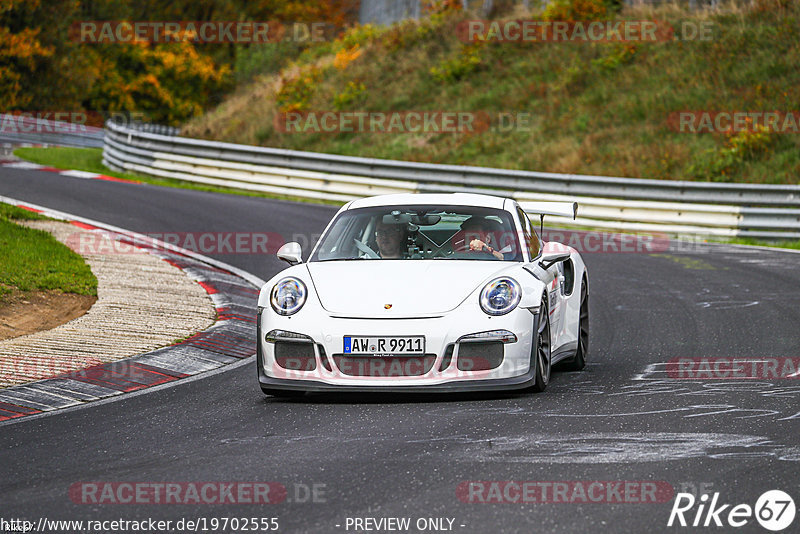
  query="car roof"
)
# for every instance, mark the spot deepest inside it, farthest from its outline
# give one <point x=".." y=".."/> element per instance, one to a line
<point x="453" y="199"/>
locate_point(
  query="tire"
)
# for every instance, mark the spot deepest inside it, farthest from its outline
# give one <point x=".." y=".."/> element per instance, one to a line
<point x="578" y="362"/>
<point x="283" y="393"/>
<point x="541" y="355"/>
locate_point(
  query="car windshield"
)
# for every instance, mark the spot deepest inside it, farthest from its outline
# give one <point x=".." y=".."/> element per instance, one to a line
<point x="421" y="233"/>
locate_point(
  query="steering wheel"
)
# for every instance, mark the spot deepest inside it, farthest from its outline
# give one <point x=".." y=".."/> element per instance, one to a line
<point x="365" y="249"/>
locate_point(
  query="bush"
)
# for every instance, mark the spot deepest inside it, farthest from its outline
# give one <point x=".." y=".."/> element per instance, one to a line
<point x="296" y="93"/>
<point x="345" y="56"/>
<point x="410" y="32"/>
<point x="718" y="164"/>
<point x="351" y="94"/>
<point x="576" y="10"/>
<point x="620" y="55"/>
<point x="468" y="60"/>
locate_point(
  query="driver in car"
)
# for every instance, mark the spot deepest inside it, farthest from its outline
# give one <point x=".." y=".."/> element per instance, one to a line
<point x="391" y="239"/>
<point x="478" y="231"/>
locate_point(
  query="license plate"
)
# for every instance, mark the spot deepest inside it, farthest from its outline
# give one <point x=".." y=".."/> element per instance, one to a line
<point x="384" y="345"/>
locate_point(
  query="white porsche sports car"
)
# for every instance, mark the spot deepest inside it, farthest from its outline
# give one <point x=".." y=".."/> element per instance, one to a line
<point x="425" y="292"/>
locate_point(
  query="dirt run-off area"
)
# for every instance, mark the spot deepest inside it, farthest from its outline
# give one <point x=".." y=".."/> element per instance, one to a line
<point x="23" y="313"/>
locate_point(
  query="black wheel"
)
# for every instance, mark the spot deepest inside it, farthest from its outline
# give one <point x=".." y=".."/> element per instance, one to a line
<point x="578" y="362"/>
<point x="541" y="356"/>
<point x="283" y="393"/>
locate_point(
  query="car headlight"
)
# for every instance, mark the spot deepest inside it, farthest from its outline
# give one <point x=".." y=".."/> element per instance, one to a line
<point x="288" y="296"/>
<point x="500" y="296"/>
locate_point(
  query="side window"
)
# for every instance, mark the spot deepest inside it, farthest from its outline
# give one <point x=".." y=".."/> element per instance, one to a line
<point x="529" y="233"/>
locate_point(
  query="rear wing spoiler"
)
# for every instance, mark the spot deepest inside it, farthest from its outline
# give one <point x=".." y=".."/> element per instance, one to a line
<point x="559" y="209"/>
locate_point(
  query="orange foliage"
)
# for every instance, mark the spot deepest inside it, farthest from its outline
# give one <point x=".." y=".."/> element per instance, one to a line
<point x="41" y="66"/>
<point x="18" y="55"/>
<point x="167" y="82"/>
<point x="346" y="56"/>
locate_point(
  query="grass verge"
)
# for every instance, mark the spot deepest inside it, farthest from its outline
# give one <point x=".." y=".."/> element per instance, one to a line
<point x="794" y="245"/>
<point x="91" y="160"/>
<point x="33" y="260"/>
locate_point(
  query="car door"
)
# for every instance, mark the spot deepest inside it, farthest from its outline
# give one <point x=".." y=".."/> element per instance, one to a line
<point x="568" y="332"/>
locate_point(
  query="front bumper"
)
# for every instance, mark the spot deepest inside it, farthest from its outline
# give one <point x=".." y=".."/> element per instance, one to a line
<point x="497" y="384"/>
<point x="441" y="333"/>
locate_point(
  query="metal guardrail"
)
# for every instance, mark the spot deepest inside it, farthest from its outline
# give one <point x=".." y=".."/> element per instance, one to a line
<point x="19" y="129"/>
<point x="148" y="127"/>
<point x="721" y="209"/>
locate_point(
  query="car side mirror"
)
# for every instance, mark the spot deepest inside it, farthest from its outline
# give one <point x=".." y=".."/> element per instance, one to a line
<point x="551" y="258"/>
<point x="291" y="253"/>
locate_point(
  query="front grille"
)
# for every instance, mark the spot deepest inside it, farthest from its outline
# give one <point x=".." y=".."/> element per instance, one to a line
<point x="480" y="356"/>
<point x="323" y="357"/>
<point x="295" y="356"/>
<point x="447" y="358"/>
<point x="384" y="367"/>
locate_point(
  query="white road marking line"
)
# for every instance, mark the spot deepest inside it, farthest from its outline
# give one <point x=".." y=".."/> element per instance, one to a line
<point x="80" y="174"/>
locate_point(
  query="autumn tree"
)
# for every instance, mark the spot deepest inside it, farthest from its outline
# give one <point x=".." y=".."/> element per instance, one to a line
<point x="21" y="53"/>
<point x="43" y="67"/>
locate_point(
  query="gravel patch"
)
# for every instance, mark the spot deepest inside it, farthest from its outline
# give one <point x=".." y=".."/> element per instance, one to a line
<point x="143" y="303"/>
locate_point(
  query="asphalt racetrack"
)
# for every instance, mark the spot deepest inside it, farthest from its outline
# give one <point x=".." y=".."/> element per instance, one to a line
<point x="623" y="419"/>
